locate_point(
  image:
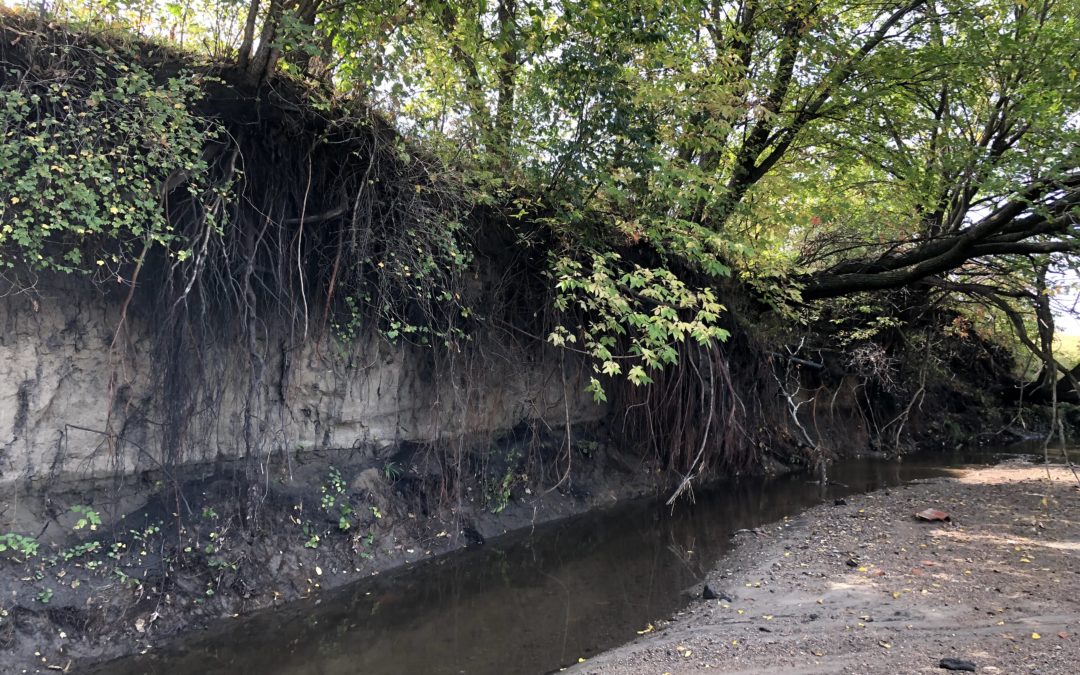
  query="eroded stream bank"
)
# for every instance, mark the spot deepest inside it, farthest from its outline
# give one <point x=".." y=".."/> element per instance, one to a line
<point x="529" y="602"/>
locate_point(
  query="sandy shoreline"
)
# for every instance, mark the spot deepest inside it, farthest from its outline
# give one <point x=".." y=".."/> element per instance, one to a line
<point x="866" y="588"/>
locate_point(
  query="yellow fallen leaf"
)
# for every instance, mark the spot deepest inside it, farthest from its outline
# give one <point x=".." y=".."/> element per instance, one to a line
<point x="886" y="645"/>
<point x="1035" y="636"/>
<point x="742" y="611"/>
<point x="648" y="629"/>
<point x="896" y="594"/>
<point x="581" y="659"/>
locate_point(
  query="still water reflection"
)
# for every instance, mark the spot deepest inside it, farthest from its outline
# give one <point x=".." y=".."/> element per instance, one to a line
<point x="526" y="602"/>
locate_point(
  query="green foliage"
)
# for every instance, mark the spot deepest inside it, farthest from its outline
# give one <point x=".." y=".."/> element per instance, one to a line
<point x="93" y="145"/>
<point x="88" y="518"/>
<point x="499" y="497"/>
<point x="334" y="502"/>
<point x="80" y="550"/>
<point x="126" y="579"/>
<point x="393" y="470"/>
<point x="645" y="311"/>
<point x="502" y="473"/>
<point x="17" y="544"/>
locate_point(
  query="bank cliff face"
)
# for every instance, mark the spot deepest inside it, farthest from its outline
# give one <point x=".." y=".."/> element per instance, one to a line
<point x="78" y="398"/>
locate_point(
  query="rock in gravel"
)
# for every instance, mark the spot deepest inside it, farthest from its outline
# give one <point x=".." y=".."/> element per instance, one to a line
<point x="957" y="664"/>
<point x="709" y="594"/>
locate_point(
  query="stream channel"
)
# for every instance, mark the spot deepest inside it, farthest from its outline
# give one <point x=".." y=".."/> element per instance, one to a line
<point x="531" y="601"/>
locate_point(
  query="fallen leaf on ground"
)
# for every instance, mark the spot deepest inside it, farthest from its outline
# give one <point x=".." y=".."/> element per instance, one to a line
<point x="932" y="515"/>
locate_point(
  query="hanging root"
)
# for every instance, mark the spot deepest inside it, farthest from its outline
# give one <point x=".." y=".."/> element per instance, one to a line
<point x="692" y="417"/>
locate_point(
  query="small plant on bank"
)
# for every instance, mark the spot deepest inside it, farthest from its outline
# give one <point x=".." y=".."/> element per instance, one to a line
<point x="126" y="578"/>
<point x="88" y="518"/>
<point x="363" y="544"/>
<point x="334" y="502"/>
<point x="393" y="470"/>
<point x="338" y="508"/>
<point x="117" y="550"/>
<point x="80" y="550"/>
<point x="499" y="489"/>
<point x="18" y="544"/>
<point x="313" y="539"/>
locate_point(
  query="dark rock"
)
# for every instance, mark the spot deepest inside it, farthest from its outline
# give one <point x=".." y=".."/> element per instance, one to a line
<point x="852" y="562"/>
<point x="709" y="594"/>
<point x="472" y="536"/>
<point x="840" y="502"/>
<point x="957" y="664"/>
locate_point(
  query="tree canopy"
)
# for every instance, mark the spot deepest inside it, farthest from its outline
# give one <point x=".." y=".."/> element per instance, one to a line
<point x="814" y="148"/>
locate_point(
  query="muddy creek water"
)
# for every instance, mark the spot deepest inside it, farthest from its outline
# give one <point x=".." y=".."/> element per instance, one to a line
<point x="528" y="602"/>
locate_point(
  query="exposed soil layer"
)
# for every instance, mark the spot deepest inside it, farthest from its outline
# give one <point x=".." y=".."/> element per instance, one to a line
<point x="865" y="587"/>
